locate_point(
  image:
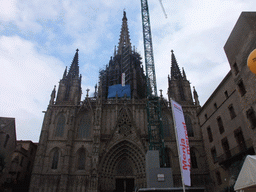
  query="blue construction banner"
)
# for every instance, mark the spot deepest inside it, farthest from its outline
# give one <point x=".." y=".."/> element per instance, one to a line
<point x="119" y="90"/>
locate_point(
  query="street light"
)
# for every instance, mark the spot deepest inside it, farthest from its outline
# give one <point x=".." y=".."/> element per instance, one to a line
<point x="251" y="61"/>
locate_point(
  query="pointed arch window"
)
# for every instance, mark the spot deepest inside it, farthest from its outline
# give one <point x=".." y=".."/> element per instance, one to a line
<point x="84" y="130"/>
<point x="189" y="126"/>
<point x="166" y="126"/>
<point x="193" y="158"/>
<point x="124" y="122"/>
<point x="60" y="126"/>
<point x="55" y="159"/>
<point x="81" y="159"/>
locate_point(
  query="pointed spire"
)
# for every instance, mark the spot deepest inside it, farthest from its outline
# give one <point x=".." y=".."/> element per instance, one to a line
<point x="53" y="95"/>
<point x="175" y="70"/>
<point x="195" y="96"/>
<point x="65" y="73"/>
<point x="184" y="74"/>
<point x="74" y="68"/>
<point x="124" y="40"/>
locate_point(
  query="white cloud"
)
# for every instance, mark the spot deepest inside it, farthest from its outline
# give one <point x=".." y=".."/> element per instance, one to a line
<point x="25" y="74"/>
<point x="8" y="10"/>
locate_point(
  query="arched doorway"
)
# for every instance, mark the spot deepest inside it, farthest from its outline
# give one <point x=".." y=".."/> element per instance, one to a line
<point x="123" y="168"/>
<point x="124" y="175"/>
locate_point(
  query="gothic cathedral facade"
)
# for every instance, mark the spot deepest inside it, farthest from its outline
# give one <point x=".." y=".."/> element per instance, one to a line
<point x="99" y="144"/>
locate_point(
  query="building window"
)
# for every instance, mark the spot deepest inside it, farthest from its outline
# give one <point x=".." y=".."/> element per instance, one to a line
<point x="240" y="139"/>
<point x="241" y="88"/>
<point x="205" y="115"/>
<point x="225" y="147"/>
<point x="209" y="131"/>
<point x="236" y="68"/>
<point x="60" y="126"/>
<point x="251" y="117"/>
<point x="214" y="155"/>
<point x="226" y="94"/>
<point x="6" y="140"/>
<point x="189" y="126"/>
<point x="55" y="159"/>
<point x="215" y="105"/>
<point x="220" y="125"/>
<point x="231" y="111"/>
<point x="166" y="126"/>
<point x="81" y="159"/>
<point x="193" y="158"/>
<point x="84" y="130"/>
<point x="218" y="177"/>
<point x="168" y="160"/>
<point x="18" y="176"/>
<point x="21" y="161"/>
<point x="28" y="166"/>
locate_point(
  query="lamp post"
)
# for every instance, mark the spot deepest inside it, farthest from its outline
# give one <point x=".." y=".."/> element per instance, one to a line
<point x="251" y="61"/>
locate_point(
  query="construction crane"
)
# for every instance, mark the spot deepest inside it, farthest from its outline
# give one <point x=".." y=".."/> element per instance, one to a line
<point x="154" y="117"/>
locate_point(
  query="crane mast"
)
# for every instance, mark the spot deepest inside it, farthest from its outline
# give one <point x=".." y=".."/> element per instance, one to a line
<point x="154" y="118"/>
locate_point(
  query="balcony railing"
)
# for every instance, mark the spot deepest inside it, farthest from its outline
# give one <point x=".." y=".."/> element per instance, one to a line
<point x="236" y="153"/>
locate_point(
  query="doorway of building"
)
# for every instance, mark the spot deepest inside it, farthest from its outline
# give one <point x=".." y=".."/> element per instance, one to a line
<point x="124" y="185"/>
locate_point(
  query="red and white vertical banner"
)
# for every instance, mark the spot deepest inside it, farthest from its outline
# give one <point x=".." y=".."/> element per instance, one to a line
<point x="182" y="142"/>
<point x="123" y="79"/>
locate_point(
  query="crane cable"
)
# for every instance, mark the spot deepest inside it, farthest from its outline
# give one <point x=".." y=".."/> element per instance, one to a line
<point x="163" y="8"/>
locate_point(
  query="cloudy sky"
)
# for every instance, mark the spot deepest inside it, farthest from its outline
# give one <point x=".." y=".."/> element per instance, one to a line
<point x="38" y="40"/>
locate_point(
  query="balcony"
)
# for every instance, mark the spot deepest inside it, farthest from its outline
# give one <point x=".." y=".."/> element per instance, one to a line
<point x="236" y="154"/>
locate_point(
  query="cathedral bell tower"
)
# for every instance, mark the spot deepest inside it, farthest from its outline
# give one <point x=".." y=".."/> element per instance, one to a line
<point x="125" y="61"/>
<point x="179" y="86"/>
<point x="70" y="85"/>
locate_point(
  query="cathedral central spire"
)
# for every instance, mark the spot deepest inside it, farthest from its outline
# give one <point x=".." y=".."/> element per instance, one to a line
<point x="124" y="40"/>
<point x="175" y="70"/>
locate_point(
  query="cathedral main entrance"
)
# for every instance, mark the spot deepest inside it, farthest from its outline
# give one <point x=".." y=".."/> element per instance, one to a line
<point x="124" y="185"/>
<point x="123" y="168"/>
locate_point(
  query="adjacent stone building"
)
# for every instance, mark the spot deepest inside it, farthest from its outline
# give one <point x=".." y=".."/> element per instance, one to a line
<point x="7" y="146"/>
<point x="228" y="118"/>
<point x="21" y="165"/>
<point x="99" y="144"/>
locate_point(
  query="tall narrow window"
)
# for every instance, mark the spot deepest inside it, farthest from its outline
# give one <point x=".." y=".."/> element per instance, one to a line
<point x="21" y="161"/>
<point x="214" y="155"/>
<point x="251" y="117"/>
<point x="168" y="157"/>
<point x="28" y="165"/>
<point x="55" y="159"/>
<point x="6" y="140"/>
<point x="220" y="125"/>
<point x="240" y="139"/>
<point x="84" y="130"/>
<point x="226" y="94"/>
<point x="60" y="126"/>
<point x="189" y="126"/>
<point x="225" y="147"/>
<point x="218" y="177"/>
<point x="241" y="87"/>
<point x="231" y="111"/>
<point x="215" y="105"/>
<point x="236" y="68"/>
<point x="209" y="131"/>
<point x="166" y="126"/>
<point x="193" y="158"/>
<point x="205" y="116"/>
<point x="81" y="159"/>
